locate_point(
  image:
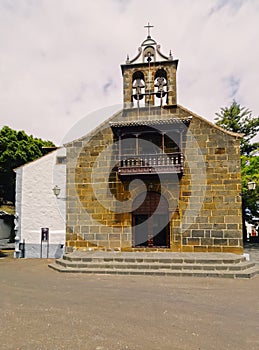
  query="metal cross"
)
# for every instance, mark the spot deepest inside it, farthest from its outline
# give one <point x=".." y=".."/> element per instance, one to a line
<point x="148" y="28"/>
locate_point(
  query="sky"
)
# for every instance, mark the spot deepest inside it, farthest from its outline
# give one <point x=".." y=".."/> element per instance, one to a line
<point x="60" y="59"/>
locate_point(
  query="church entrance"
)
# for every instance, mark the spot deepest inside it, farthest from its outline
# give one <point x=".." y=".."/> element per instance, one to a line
<point x="150" y="221"/>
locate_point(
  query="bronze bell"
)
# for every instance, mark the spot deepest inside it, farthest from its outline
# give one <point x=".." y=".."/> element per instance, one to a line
<point x="160" y="94"/>
<point x="138" y="96"/>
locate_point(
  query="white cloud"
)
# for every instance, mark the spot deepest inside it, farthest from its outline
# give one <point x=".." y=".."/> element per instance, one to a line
<point x="60" y="60"/>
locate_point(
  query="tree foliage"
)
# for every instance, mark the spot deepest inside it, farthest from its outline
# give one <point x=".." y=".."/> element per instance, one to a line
<point x="16" y="149"/>
<point x="250" y="171"/>
<point x="240" y="120"/>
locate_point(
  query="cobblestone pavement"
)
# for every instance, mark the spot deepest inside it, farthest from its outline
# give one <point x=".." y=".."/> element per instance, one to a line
<point x="44" y="310"/>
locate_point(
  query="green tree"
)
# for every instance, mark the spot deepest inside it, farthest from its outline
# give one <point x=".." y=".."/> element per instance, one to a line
<point x="16" y="149"/>
<point x="240" y="120"/>
<point x="250" y="171"/>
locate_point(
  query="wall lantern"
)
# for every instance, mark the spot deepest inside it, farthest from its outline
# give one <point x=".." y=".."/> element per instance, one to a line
<point x="251" y="185"/>
<point x="56" y="190"/>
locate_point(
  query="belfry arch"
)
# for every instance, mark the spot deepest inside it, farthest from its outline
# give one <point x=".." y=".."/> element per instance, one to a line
<point x="161" y="86"/>
<point x="138" y="87"/>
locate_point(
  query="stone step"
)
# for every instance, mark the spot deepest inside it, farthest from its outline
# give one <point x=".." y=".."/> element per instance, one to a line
<point x="154" y="265"/>
<point x="166" y="258"/>
<point x="163" y="264"/>
<point x="247" y="273"/>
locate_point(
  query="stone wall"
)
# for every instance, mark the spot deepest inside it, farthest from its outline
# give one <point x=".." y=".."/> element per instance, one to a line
<point x="210" y="190"/>
<point x="205" y="205"/>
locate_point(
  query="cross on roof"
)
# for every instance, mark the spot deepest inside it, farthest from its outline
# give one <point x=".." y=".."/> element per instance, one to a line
<point x="148" y="26"/>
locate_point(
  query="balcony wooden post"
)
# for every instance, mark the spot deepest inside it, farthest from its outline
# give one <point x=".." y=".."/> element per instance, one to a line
<point x="137" y="148"/>
<point x="119" y="149"/>
<point x="163" y="142"/>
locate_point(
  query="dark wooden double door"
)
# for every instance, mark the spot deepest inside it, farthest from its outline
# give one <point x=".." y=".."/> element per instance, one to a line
<point x="150" y="221"/>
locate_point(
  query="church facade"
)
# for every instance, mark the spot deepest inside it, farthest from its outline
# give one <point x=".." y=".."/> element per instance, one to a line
<point x="154" y="176"/>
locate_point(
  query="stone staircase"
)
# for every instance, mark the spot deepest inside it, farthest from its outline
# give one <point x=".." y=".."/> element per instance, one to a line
<point x="226" y="265"/>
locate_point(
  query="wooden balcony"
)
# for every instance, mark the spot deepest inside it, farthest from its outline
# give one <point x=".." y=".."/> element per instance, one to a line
<point x="163" y="163"/>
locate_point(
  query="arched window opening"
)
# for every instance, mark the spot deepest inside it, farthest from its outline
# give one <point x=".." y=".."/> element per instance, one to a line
<point x="138" y="88"/>
<point x="160" y="86"/>
<point x="149" y="54"/>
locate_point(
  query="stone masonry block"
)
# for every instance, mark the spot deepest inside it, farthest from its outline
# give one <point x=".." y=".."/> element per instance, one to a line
<point x="234" y="242"/>
<point x="217" y="233"/>
<point x="197" y="233"/>
<point x="187" y="249"/>
<point x="207" y="241"/>
<point x="235" y="250"/>
<point x="220" y="241"/>
<point x="200" y="249"/>
<point x="193" y="241"/>
<point x="231" y="234"/>
<point x="214" y="249"/>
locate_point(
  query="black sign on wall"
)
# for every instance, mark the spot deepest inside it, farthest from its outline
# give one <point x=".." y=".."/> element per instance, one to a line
<point x="45" y="234"/>
<point x="44" y="238"/>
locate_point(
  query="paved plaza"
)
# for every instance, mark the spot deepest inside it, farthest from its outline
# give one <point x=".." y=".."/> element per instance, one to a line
<point x="44" y="310"/>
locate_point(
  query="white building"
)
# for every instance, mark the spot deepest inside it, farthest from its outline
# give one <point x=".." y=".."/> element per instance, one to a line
<point x="37" y="207"/>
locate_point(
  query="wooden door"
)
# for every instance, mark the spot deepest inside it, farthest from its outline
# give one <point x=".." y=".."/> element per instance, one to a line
<point x="150" y="221"/>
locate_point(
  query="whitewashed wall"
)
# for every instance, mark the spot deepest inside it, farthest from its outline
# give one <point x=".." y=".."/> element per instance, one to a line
<point x="37" y="207"/>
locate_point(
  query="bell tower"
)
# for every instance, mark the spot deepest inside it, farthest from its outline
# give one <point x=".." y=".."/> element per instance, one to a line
<point x="149" y="79"/>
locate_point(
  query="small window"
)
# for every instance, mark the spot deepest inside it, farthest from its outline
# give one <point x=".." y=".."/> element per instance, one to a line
<point x="61" y="160"/>
<point x="149" y="54"/>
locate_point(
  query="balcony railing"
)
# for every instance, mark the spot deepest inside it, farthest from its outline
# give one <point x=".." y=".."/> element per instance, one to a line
<point x="151" y="164"/>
